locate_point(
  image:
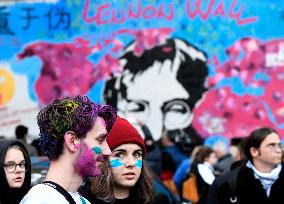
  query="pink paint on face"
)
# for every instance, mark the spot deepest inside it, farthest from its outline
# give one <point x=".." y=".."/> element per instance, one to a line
<point x="88" y="163"/>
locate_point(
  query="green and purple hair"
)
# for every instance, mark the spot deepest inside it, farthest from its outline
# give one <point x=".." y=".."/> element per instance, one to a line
<point x="76" y="114"/>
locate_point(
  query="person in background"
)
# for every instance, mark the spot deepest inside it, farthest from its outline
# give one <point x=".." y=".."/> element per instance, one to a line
<point x="172" y="157"/>
<point x="15" y="171"/>
<point x="202" y="168"/>
<point x="241" y="154"/>
<point x="21" y="133"/>
<point x="221" y="145"/>
<point x="170" y="149"/>
<point x="234" y="148"/>
<point x="260" y="179"/>
<point x="35" y="144"/>
<point x="153" y="156"/>
<point x="73" y="134"/>
<point x="126" y="178"/>
<point x="183" y="169"/>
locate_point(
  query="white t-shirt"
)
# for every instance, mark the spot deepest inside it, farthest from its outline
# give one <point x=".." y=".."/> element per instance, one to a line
<point x="44" y="194"/>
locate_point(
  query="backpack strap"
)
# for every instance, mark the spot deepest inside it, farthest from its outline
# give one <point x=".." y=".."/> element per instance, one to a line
<point x="61" y="190"/>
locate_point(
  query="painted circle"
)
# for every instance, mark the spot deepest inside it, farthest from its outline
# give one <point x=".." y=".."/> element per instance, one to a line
<point x="7" y="86"/>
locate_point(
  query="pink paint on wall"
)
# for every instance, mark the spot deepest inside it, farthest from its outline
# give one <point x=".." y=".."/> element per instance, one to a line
<point x="259" y="100"/>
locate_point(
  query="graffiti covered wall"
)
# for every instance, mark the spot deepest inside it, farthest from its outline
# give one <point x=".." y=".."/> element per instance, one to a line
<point x="213" y="66"/>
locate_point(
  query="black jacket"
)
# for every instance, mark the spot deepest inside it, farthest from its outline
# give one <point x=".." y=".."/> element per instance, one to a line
<point x="241" y="187"/>
<point x="7" y="194"/>
<point x="161" y="195"/>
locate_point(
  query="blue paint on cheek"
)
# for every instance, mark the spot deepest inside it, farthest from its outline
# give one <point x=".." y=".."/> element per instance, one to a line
<point x="97" y="150"/>
<point x="139" y="163"/>
<point x="116" y="163"/>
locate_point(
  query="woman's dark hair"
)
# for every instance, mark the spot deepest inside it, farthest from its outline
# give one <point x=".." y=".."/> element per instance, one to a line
<point x="21" y="131"/>
<point x="202" y="153"/>
<point x="103" y="186"/>
<point x="13" y="195"/>
<point x="255" y="139"/>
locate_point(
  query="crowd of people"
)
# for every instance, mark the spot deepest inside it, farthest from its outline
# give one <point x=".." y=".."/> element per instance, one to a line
<point x="98" y="157"/>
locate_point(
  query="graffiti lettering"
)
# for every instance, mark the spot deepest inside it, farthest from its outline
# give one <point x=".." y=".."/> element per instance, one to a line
<point x="10" y="41"/>
<point x="219" y="11"/>
<point x="61" y="18"/>
<point x="105" y="14"/>
<point x="28" y="17"/>
<point x="238" y="14"/>
<point x="4" y="23"/>
<point x="15" y="42"/>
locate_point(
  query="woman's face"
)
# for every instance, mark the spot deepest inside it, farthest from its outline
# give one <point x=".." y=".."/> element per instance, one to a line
<point x="126" y="165"/>
<point x="212" y="159"/>
<point x="15" y="167"/>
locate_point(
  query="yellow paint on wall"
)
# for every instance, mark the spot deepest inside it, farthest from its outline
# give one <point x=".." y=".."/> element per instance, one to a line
<point x="7" y="86"/>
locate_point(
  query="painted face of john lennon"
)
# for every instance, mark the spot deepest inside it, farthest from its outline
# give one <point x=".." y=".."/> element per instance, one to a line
<point x="156" y="98"/>
<point x="161" y="87"/>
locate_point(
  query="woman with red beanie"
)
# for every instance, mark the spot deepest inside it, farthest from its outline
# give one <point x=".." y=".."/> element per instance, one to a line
<point x="125" y="178"/>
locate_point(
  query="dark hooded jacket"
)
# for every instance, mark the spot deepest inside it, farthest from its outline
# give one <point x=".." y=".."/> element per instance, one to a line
<point x="13" y="195"/>
<point x="239" y="186"/>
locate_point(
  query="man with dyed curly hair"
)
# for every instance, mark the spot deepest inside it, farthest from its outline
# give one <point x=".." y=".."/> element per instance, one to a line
<point x="73" y="134"/>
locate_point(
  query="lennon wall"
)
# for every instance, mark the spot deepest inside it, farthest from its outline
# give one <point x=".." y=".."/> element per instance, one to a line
<point x="212" y="67"/>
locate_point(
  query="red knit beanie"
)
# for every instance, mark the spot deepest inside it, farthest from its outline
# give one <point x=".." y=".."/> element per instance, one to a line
<point x="123" y="132"/>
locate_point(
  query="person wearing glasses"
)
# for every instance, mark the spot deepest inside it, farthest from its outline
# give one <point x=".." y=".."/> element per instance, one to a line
<point x="178" y="69"/>
<point x="260" y="179"/>
<point x="15" y="171"/>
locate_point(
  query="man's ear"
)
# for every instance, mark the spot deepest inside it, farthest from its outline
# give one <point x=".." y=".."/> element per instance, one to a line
<point x="71" y="141"/>
<point x="254" y="151"/>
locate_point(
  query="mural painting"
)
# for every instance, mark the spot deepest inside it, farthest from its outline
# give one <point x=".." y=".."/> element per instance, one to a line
<point x="209" y="67"/>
